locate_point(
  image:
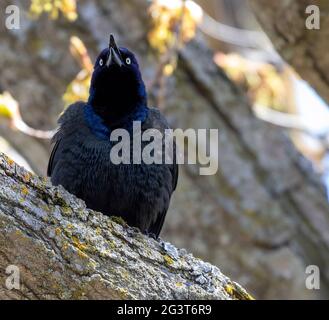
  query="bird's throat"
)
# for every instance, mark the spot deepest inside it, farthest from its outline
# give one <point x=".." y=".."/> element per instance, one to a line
<point x="116" y="95"/>
<point x="114" y="106"/>
<point x="103" y="130"/>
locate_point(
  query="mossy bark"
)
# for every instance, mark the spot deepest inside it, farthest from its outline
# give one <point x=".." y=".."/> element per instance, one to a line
<point x="65" y="251"/>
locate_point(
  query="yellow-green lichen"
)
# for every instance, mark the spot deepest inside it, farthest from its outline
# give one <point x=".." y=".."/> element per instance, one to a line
<point x="123" y="293"/>
<point x="119" y="220"/>
<point x="112" y="244"/>
<point x="66" y="210"/>
<point x="44" y="207"/>
<point x="78" y="294"/>
<point x="10" y="162"/>
<point x="237" y="293"/>
<point x="82" y="254"/>
<point x="27" y="177"/>
<point x="168" y="260"/>
<point x="25" y="190"/>
<point x="65" y="246"/>
<point x="229" y="289"/>
<point x="79" y="245"/>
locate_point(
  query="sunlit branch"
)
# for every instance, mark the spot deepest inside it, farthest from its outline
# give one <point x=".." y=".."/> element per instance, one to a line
<point x="289" y="121"/>
<point x="10" y="109"/>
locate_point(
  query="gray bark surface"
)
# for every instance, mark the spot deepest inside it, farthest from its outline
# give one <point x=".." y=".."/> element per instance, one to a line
<point x="65" y="251"/>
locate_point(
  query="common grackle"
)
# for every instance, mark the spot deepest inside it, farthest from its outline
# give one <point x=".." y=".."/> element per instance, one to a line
<point x="80" y="160"/>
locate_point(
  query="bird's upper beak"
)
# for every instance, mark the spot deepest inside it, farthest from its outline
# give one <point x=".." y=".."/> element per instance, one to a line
<point x="114" y="54"/>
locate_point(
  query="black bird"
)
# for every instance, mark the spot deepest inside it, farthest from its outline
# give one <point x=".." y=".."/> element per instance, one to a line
<point x="80" y="160"/>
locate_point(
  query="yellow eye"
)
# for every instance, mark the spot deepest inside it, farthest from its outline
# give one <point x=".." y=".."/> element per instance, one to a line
<point x="101" y="62"/>
<point x="128" y="61"/>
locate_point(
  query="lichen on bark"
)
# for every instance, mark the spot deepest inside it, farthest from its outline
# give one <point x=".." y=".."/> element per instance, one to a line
<point x="67" y="251"/>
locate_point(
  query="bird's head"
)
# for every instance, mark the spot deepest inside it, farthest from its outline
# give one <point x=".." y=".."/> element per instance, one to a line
<point x="117" y="87"/>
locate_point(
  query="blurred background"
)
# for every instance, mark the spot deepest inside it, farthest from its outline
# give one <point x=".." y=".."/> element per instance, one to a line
<point x="264" y="216"/>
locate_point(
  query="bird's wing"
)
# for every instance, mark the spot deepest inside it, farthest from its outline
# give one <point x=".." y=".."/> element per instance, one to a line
<point x="157" y="226"/>
<point x="52" y="161"/>
<point x="175" y="170"/>
<point x="157" y="121"/>
<point x="155" y="229"/>
<point x="67" y="121"/>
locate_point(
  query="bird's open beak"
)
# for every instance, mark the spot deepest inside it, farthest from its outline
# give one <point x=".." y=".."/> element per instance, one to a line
<point x="114" y="55"/>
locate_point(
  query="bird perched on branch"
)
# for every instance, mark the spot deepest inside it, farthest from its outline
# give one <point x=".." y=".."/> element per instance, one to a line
<point x="81" y="158"/>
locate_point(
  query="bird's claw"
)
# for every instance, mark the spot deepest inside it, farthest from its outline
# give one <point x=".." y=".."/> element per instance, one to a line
<point x="151" y="235"/>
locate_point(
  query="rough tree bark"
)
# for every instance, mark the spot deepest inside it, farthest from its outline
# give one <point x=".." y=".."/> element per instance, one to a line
<point x="65" y="251"/>
<point x="306" y="50"/>
<point x="263" y="217"/>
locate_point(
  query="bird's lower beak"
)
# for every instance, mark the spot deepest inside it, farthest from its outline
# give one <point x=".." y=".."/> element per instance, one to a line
<point x="114" y="55"/>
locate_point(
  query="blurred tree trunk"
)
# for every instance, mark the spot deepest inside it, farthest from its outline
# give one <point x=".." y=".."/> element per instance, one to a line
<point x="263" y="217"/>
<point x="304" y="49"/>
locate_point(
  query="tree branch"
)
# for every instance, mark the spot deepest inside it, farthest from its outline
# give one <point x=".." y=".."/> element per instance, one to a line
<point x="66" y="251"/>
